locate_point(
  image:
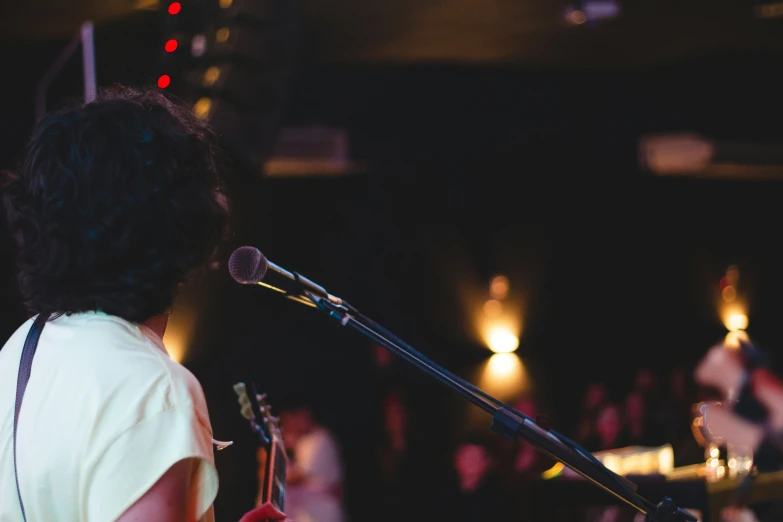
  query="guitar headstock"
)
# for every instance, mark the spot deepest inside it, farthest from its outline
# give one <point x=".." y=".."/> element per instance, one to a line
<point x="255" y="409"/>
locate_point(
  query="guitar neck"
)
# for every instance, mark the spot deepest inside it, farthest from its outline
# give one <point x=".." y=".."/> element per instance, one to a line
<point x="274" y="480"/>
<point x="255" y="409"/>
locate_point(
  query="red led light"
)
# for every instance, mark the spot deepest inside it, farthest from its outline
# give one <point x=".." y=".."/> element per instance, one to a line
<point x="171" y="46"/>
<point x="174" y="8"/>
<point x="164" y="81"/>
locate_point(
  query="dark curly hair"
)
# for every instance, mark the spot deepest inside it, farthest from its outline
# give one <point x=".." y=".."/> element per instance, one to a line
<point x="116" y="203"/>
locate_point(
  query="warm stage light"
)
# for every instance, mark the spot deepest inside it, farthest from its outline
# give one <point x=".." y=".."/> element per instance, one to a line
<point x="175" y="8"/>
<point x="733" y="339"/>
<point x="504" y="376"/>
<point x="578" y="17"/>
<point x="502" y="340"/>
<point x="493" y="308"/>
<point x="175" y="342"/>
<point x="498" y="288"/>
<point x="503" y="366"/>
<point x="164" y="81"/>
<point x="171" y="46"/>
<point x="222" y="34"/>
<point x="202" y="107"/>
<point x="736" y="321"/>
<point x="211" y="75"/>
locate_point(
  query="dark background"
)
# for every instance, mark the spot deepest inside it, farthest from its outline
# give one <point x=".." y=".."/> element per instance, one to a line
<point x="517" y="155"/>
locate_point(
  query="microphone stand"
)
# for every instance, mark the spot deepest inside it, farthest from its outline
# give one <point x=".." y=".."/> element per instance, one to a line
<point x="507" y="421"/>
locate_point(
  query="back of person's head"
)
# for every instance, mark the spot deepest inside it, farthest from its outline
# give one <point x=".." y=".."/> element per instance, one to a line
<point x="116" y="203"/>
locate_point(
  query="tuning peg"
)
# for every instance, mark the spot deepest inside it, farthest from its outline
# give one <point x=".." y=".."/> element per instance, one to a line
<point x="260" y="397"/>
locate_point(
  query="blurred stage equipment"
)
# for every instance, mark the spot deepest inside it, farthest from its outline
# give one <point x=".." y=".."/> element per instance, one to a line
<point x="768" y="9"/>
<point x="84" y="38"/>
<point x="696" y="156"/>
<point x="638" y="460"/>
<point x="248" y="266"/>
<point x="232" y="61"/>
<point x="591" y="11"/>
<point x="311" y="151"/>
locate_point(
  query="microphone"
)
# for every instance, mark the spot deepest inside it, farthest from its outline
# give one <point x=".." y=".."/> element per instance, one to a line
<point x="248" y="266"/>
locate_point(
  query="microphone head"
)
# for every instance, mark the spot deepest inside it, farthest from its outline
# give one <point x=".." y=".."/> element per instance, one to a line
<point x="247" y="265"/>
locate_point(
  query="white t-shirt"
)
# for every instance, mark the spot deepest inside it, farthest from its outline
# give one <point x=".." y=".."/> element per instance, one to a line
<point x="106" y="413"/>
<point x="318" y="456"/>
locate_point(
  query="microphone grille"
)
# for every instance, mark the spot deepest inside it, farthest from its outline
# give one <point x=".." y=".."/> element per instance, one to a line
<point x="247" y="265"/>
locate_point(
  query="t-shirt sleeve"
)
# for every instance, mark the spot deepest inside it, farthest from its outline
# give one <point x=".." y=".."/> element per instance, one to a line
<point x="141" y="455"/>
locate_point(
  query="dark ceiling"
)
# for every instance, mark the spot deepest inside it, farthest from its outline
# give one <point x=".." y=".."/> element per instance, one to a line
<point x="524" y="32"/>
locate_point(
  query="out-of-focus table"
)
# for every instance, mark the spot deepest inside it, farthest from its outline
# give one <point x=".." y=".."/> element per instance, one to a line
<point x="685" y="486"/>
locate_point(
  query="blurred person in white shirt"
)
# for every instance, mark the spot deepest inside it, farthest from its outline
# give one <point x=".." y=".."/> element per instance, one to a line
<point x="315" y="474"/>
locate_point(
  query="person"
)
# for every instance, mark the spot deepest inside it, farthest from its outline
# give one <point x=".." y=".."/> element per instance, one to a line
<point x="636" y="419"/>
<point x="679" y="417"/>
<point x="596" y="396"/>
<point x="527" y="461"/>
<point x="399" y="458"/>
<point x="116" y="204"/>
<point x="478" y="492"/>
<point x="757" y="394"/>
<point x="647" y="385"/>
<point x="315" y="472"/>
<point x="724" y="370"/>
<point x="608" y="429"/>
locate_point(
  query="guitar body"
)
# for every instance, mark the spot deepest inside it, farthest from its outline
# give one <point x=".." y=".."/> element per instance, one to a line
<point x="258" y="412"/>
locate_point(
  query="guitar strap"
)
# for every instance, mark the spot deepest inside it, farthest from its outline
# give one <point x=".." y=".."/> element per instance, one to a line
<point x="25" y="366"/>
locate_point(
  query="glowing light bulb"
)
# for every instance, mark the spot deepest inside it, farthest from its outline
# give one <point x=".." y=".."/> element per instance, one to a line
<point x="502" y="340"/>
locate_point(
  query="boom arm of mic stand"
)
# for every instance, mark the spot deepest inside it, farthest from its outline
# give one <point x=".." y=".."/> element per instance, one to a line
<point x="509" y="422"/>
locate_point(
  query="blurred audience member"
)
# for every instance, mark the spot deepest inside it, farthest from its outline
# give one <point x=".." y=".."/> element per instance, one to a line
<point x="647" y="384"/>
<point x="479" y="493"/>
<point x="396" y="431"/>
<point x="595" y="397"/>
<point x="636" y="422"/>
<point x="608" y="430"/>
<point x="522" y="462"/>
<point x="610" y="433"/>
<point x="682" y="396"/>
<point x="527" y="461"/>
<point x="315" y="473"/>
<point x="400" y="460"/>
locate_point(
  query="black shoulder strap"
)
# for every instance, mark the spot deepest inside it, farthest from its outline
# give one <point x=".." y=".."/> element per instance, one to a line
<point x="25" y="365"/>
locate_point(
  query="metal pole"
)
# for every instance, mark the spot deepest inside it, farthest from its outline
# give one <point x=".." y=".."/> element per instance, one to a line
<point x="88" y="62"/>
<point x="85" y="38"/>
